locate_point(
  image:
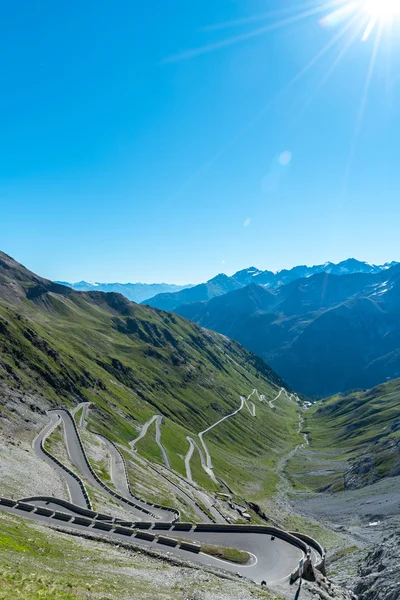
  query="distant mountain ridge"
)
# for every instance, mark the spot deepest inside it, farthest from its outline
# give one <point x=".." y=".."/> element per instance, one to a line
<point x="136" y="292"/>
<point x="218" y="286"/>
<point x="222" y="284"/>
<point x="324" y="334"/>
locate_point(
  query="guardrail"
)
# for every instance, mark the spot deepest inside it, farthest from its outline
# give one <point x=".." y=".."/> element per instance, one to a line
<point x="66" y="469"/>
<point x="159" y="506"/>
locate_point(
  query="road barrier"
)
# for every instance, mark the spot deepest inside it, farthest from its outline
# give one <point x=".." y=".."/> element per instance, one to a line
<point x="45" y="512"/>
<point x="167" y="541"/>
<point x="102" y="526"/>
<point x="73" y="507"/>
<point x="183" y="526"/>
<point x="82" y="521"/>
<point x="302" y="541"/>
<point x="62" y="516"/>
<point x="123" y="531"/>
<point x="190" y="547"/>
<point x="26" y="507"/>
<point x="320" y="565"/>
<point x="162" y="525"/>
<point x="262" y="529"/>
<point x="7" y="502"/>
<point x="144" y="535"/>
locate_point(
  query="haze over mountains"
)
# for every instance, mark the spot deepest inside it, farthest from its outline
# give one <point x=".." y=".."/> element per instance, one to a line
<point x="323" y="333"/>
<point x="221" y="284"/>
<point x="136" y="292"/>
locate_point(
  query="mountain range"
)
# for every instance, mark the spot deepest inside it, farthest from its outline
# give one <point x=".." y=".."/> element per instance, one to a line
<point x="323" y="334"/>
<point x="222" y="284"/>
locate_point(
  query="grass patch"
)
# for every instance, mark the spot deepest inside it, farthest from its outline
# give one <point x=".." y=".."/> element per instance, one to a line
<point x="78" y="415"/>
<point x="229" y="554"/>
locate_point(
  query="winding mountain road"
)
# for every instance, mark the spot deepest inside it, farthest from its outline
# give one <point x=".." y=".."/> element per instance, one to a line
<point x="272" y="558"/>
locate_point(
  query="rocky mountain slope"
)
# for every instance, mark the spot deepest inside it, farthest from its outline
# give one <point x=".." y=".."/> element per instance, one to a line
<point x="324" y="334"/>
<point x="365" y="428"/>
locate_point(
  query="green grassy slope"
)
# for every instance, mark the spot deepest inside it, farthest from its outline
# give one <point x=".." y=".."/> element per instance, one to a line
<point x="133" y="362"/>
<point x="362" y="429"/>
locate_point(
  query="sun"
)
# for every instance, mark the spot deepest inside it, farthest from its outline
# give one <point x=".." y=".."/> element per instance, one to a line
<point x="382" y="9"/>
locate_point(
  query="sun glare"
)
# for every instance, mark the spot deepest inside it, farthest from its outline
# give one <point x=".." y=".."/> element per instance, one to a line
<point x="382" y="9"/>
<point x="373" y="13"/>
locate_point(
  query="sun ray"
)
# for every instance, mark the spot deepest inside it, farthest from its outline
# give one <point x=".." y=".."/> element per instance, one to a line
<point x="246" y="36"/>
<point x="369" y="29"/>
<point x="271" y="15"/>
<point x="363" y="104"/>
<point x="334" y="65"/>
<point x="340" y="14"/>
<point x="246" y="128"/>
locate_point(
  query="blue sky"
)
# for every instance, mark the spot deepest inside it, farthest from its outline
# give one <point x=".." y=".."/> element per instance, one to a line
<point x="124" y="156"/>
